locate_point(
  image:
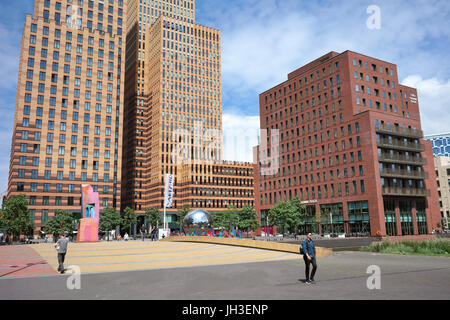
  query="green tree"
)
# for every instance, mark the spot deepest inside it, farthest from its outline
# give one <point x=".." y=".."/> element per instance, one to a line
<point x="248" y="219"/>
<point x="61" y="222"/>
<point x="128" y="218"/>
<point x="231" y="218"/>
<point x="218" y="220"/>
<point x="301" y="211"/>
<point x="227" y="219"/>
<point x="286" y="215"/>
<point x="153" y="216"/>
<point x="109" y="219"/>
<point x="181" y="214"/>
<point x="14" y="216"/>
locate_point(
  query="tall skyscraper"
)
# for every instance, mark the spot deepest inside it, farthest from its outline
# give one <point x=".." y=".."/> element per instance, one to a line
<point x="174" y="114"/>
<point x="69" y="106"/>
<point x="350" y="147"/>
<point x="140" y="17"/>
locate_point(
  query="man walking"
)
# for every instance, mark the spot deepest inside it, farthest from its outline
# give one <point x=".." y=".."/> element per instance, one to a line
<point x="309" y="257"/>
<point x="61" y="248"/>
<point x="153" y="233"/>
<point x="142" y="232"/>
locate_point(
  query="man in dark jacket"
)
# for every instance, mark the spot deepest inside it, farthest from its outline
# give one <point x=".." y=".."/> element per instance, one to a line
<point x="309" y="257"/>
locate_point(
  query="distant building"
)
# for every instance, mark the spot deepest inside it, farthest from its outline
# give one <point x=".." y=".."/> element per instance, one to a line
<point x="442" y="165"/>
<point x="441" y="144"/>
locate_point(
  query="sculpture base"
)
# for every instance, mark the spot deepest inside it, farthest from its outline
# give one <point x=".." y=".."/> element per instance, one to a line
<point x="163" y="233"/>
<point x="87" y="230"/>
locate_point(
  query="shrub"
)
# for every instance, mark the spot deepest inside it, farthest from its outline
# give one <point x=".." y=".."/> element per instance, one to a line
<point x="431" y="247"/>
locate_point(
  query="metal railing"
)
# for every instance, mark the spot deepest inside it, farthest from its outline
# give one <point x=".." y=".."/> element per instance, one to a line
<point x="398" y="173"/>
<point x="402" y="132"/>
<point x="401" y="145"/>
<point x="386" y="157"/>
<point x="411" y="192"/>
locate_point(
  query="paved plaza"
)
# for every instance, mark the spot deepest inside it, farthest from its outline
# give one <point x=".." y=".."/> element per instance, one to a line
<point x="40" y="260"/>
<point x="195" y="271"/>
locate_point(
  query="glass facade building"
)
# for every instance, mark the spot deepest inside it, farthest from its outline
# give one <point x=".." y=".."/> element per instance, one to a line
<point x="441" y="144"/>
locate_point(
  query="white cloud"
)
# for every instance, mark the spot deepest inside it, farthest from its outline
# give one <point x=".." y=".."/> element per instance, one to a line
<point x="264" y="40"/>
<point x="259" y="50"/>
<point x="240" y="135"/>
<point x="434" y="103"/>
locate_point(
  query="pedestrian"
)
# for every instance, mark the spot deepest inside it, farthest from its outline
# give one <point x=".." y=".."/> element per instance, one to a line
<point x="142" y="232"/>
<point x="153" y="233"/>
<point x="61" y="248"/>
<point x="309" y="256"/>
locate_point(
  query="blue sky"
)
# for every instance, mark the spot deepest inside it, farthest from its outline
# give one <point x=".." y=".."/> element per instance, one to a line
<point x="264" y="40"/>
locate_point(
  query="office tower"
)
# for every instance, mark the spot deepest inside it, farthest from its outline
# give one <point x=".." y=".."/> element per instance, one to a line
<point x="350" y="148"/>
<point x="69" y="106"/>
<point x="441" y="144"/>
<point x="174" y="115"/>
<point x="442" y="165"/>
<point x="141" y="16"/>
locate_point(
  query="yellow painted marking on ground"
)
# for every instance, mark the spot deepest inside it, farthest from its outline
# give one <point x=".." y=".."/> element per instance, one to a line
<point x="137" y="255"/>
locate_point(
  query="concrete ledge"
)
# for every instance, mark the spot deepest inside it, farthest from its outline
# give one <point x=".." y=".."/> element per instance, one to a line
<point x="267" y="245"/>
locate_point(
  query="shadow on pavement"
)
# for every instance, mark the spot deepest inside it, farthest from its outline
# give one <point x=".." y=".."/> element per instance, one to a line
<point x="27" y="266"/>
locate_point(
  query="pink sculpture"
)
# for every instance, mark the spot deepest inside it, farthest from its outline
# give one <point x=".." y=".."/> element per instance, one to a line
<point x="90" y="215"/>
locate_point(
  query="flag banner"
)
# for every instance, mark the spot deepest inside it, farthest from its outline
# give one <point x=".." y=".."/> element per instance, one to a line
<point x="168" y="196"/>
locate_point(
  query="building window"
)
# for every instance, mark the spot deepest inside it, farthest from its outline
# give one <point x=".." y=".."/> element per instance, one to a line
<point x="406" y="221"/>
<point x="359" y="220"/>
<point x="421" y="217"/>
<point x="332" y="218"/>
<point x="389" y="217"/>
<point x="44" y="217"/>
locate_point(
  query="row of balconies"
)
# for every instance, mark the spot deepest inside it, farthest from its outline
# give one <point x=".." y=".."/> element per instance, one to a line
<point x="403" y="159"/>
<point x="401" y="145"/>
<point x="411" y="192"/>
<point x="405" y="174"/>
<point x="401" y="132"/>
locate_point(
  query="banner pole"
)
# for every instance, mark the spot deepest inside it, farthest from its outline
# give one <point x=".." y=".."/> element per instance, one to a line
<point x="165" y="216"/>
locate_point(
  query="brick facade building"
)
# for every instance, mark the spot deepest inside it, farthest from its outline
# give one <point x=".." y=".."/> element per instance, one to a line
<point x="69" y="106"/>
<point x="350" y="147"/>
<point x="173" y="114"/>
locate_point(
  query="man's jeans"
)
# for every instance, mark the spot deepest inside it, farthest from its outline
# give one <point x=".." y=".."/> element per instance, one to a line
<point x="61" y="257"/>
<point x="307" y="263"/>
